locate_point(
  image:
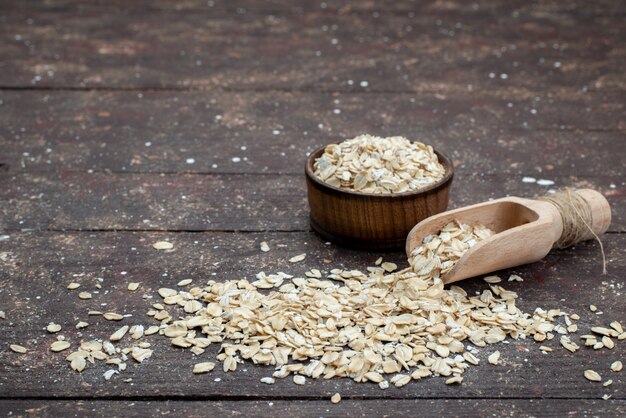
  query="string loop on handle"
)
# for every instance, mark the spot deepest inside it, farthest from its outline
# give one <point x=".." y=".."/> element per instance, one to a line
<point x="577" y="219"/>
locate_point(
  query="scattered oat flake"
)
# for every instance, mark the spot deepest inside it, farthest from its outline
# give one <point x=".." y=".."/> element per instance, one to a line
<point x="73" y="285"/>
<point x="163" y="245"/>
<point x="133" y="286"/>
<point x="336" y="398"/>
<point x="53" y="328"/>
<point x="314" y="273"/>
<point x="568" y="344"/>
<point x="389" y="267"/>
<point x="136" y="332"/>
<point x="515" y="278"/>
<point x="2" y="315"/>
<point x="492" y="279"/>
<point x="453" y="380"/>
<point x="112" y="316"/>
<point x="184" y="282"/>
<point x="177" y="329"/>
<point x="119" y="334"/>
<point x="400" y="380"/>
<point x="152" y="330"/>
<point x="616" y="366"/>
<point x="109" y="374"/>
<point x="592" y="375"/>
<point x="617" y="326"/>
<point x="18" y="348"/>
<point x="81" y="325"/>
<point x="299" y="379"/>
<point x="593" y="308"/>
<point x="268" y="380"/>
<point x="607" y="383"/>
<point x="203" y="367"/>
<point x="141" y="354"/>
<point x="494" y="358"/>
<point x="297" y="258"/>
<point x="470" y="358"/>
<point x="265" y="247"/>
<point x="78" y="363"/>
<point x="59" y="346"/>
<point x="603" y="331"/>
<point x="607" y="342"/>
<point x="84" y="295"/>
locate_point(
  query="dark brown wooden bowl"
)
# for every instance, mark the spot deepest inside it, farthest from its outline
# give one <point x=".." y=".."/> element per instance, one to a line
<point x="370" y="221"/>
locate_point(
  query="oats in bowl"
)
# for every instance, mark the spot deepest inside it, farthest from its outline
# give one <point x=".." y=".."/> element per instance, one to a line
<point x="372" y="164"/>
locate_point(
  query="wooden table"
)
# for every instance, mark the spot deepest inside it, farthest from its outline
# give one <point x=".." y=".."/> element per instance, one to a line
<point x="124" y="123"/>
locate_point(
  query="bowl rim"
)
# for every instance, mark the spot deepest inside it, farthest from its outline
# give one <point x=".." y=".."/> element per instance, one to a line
<point x="443" y="159"/>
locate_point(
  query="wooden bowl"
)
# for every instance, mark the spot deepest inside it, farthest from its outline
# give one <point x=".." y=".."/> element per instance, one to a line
<point x="372" y="221"/>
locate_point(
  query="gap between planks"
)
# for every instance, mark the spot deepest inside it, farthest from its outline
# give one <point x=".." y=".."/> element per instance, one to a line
<point x="253" y="398"/>
<point x="176" y="231"/>
<point x="206" y="89"/>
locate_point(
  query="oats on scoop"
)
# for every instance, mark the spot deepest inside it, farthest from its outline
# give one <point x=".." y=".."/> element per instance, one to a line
<point x="439" y="253"/>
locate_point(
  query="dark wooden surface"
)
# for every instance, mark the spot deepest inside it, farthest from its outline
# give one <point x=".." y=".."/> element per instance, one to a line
<point x="102" y="104"/>
<point x="314" y="409"/>
<point x="570" y="279"/>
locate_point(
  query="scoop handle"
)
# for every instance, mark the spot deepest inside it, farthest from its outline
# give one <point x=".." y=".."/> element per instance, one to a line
<point x="566" y="204"/>
<point x="600" y="211"/>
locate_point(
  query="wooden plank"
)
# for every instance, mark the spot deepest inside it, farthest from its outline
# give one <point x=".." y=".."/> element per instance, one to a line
<point x="438" y="48"/>
<point x="486" y="132"/>
<point x="101" y="201"/>
<point x="576" y="7"/>
<point x="314" y="409"/>
<point x="37" y="266"/>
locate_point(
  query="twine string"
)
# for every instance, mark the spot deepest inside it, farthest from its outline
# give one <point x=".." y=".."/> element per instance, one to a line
<point x="577" y="219"/>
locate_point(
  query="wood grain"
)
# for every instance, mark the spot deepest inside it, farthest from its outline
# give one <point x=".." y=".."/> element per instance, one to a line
<point x="424" y="46"/>
<point x="36" y="267"/>
<point x="118" y="115"/>
<point x="355" y="408"/>
<point x="479" y="7"/>
<point x="272" y="132"/>
<point x="189" y="202"/>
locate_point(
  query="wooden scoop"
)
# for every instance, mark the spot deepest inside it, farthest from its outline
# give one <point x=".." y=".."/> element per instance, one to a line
<point x="526" y="231"/>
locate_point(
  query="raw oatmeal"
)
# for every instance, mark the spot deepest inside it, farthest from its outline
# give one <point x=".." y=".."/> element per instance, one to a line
<point x="371" y="164"/>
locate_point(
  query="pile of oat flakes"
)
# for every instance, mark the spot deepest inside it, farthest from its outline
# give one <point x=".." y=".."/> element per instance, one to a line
<point x="372" y="164"/>
<point x="384" y="325"/>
